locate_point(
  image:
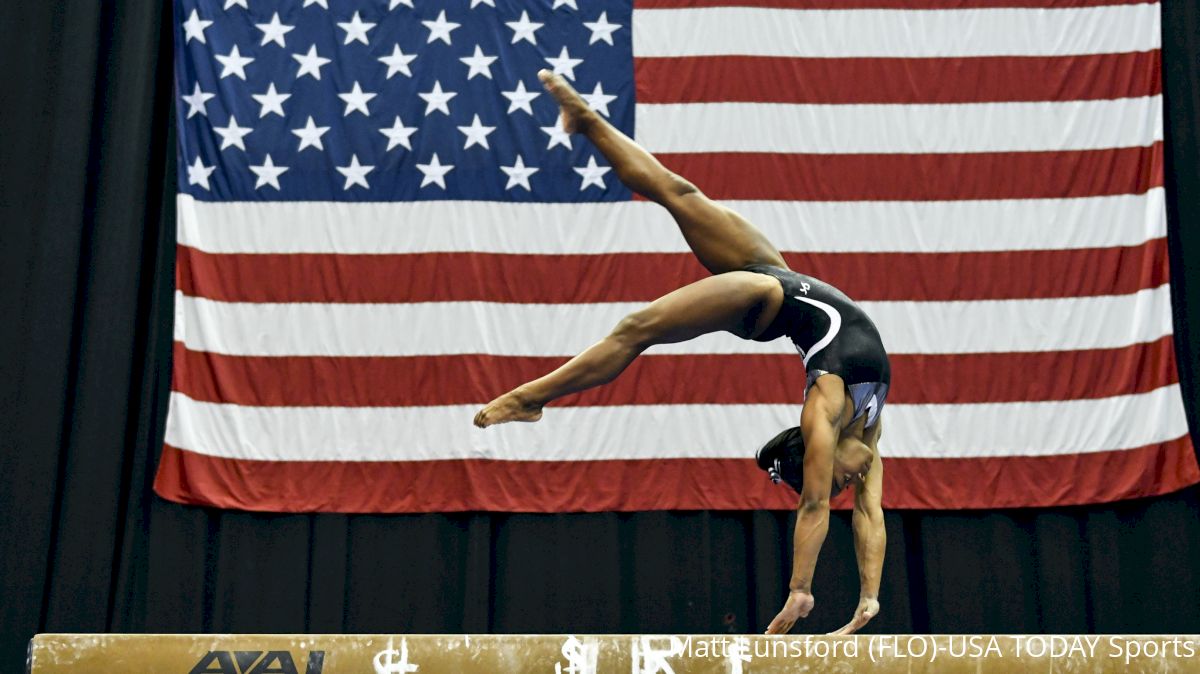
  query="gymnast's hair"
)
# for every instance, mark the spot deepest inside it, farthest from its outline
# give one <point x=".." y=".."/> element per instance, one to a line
<point x="783" y="459"/>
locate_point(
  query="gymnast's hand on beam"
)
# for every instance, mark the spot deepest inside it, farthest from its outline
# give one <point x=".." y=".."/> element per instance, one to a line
<point x="867" y="609"/>
<point x="798" y="604"/>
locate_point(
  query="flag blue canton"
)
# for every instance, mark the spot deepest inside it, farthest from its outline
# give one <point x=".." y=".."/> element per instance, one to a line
<point x="244" y="129"/>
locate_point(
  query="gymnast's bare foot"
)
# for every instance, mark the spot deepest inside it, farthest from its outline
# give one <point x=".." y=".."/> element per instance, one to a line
<point x="511" y="406"/>
<point x="576" y="116"/>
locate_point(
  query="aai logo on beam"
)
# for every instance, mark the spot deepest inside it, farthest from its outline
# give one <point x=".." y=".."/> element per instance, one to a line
<point x="256" y="662"/>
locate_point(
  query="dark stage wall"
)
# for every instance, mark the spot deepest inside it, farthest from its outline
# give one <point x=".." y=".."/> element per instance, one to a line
<point x="86" y="279"/>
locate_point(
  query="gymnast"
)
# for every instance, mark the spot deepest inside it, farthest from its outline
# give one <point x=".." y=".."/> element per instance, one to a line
<point x="753" y="294"/>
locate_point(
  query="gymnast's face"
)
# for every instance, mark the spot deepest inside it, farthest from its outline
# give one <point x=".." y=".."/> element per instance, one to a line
<point x="851" y="460"/>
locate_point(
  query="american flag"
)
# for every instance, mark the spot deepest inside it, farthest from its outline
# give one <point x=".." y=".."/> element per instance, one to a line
<point x="382" y="226"/>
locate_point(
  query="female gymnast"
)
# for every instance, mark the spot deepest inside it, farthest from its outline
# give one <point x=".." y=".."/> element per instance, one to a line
<point x="753" y="295"/>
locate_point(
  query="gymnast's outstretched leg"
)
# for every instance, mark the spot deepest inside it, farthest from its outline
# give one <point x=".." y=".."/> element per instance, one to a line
<point x="740" y="302"/>
<point x="720" y="238"/>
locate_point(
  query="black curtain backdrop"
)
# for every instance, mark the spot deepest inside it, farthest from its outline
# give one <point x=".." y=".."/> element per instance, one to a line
<point x="86" y="283"/>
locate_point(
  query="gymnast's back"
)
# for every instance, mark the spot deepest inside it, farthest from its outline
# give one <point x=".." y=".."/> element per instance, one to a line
<point x="831" y="332"/>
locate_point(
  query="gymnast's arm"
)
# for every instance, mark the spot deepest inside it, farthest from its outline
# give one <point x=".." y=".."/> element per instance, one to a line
<point x="819" y="423"/>
<point x="870" y="538"/>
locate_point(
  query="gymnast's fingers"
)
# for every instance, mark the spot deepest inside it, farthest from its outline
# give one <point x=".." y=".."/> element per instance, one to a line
<point x="848" y="628"/>
<point x="780" y="625"/>
<point x="853" y="626"/>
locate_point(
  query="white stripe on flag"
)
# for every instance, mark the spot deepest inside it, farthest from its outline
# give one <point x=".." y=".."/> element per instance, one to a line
<point x="894" y="129"/>
<point x="440" y="328"/>
<point x="752" y="31"/>
<point x="662" y="431"/>
<point x="632" y="227"/>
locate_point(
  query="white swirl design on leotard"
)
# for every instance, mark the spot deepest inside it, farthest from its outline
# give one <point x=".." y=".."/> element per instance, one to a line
<point x="835" y="325"/>
<point x="870" y="410"/>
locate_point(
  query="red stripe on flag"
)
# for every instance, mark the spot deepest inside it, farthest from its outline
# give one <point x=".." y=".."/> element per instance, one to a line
<point x="642" y="277"/>
<point x="652" y="380"/>
<point x="765" y="79"/>
<point x="1021" y="482"/>
<point x="922" y="177"/>
<point x="884" y="4"/>
<point x="659" y="484"/>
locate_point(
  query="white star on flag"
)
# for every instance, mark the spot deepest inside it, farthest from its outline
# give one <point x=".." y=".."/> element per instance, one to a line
<point x="568" y="3"/>
<point x="398" y="62"/>
<point x="274" y="31"/>
<point x="476" y="3"/>
<point x="434" y="172"/>
<point x="198" y="173"/>
<point x="477" y="133"/>
<point x="437" y="99"/>
<point x="356" y="99"/>
<point x="557" y="135"/>
<point x="520" y="98"/>
<point x="241" y="3"/>
<point x="310" y="135"/>
<point x="592" y="174"/>
<point x="234" y="62"/>
<point x="197" y="102"/>
<point x="271" y="101"/>
<point x="598" y="100"/>
<point x="356" y="30"/>
<point x="440" y="29"/>
<point x="268" y="173"/>
<point x="601" y="29"/>
<point x="322" y="3"/>
<point x="194" y="28"/>
<point x="356" y="174"/>
<point x="523" y="29"/>
<point x="564" y="65"/>
<point x="479" y="64"/>
<point x="518" y="174"/>
<point x="233" y="134"/>
<point x="398" y="134"/>
<point x="396" y="3"/>
<point x="310" y="63"/>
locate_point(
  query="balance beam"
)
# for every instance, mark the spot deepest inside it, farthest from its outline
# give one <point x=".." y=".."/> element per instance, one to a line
<point x="601" y="654"/>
